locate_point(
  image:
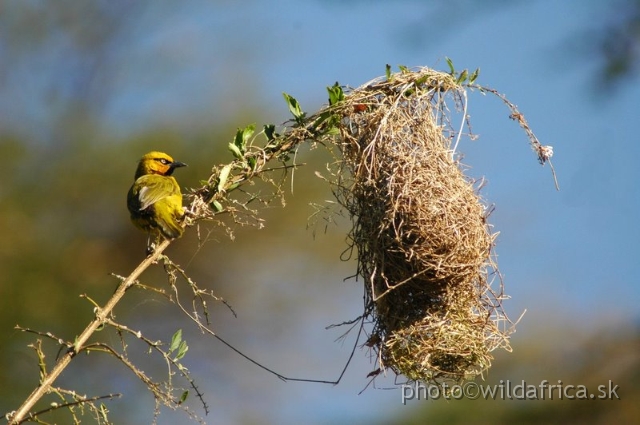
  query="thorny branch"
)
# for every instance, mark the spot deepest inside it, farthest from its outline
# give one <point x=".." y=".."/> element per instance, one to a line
<point x="206" y="202"/>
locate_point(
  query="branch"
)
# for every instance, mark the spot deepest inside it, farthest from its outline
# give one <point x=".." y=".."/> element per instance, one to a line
<point x="102" y="314"/>
<point x="250" y="161"/>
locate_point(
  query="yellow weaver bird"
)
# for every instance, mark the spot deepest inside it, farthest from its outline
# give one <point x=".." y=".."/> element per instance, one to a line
<point x="154" y="200"/>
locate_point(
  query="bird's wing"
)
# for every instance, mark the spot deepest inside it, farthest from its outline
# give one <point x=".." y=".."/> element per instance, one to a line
<point x="154" y="188"/>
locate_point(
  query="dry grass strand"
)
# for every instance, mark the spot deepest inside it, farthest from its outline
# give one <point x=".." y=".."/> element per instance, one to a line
<point x="419" y="228"/>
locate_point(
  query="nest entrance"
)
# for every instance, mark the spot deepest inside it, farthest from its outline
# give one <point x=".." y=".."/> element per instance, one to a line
<point x="419" y="227"/>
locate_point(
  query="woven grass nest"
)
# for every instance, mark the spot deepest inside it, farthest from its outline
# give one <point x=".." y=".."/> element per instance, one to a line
<point x="419" y="229"/>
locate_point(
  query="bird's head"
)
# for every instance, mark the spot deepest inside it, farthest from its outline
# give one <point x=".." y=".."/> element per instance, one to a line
<point x="157" y="163"/>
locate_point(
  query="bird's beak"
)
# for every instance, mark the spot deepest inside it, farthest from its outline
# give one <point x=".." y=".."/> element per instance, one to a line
<point x="177" y="164"/>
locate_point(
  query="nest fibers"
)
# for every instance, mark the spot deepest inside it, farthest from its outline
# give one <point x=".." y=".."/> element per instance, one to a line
<point x="419" y="228"/>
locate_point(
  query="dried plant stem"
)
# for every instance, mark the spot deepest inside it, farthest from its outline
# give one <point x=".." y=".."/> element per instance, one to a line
<point x="102" y="315"/>
<point x="200" y="210"/>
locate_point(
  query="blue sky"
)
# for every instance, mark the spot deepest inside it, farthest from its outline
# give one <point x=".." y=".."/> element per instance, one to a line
<point x="568" y="256"/>
<point x="576" y="243"/>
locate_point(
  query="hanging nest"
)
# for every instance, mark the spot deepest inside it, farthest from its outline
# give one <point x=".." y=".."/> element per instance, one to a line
<point x="424" y="247"/>
<point x="420" y="231"/>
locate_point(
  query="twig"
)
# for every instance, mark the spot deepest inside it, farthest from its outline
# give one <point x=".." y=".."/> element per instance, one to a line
<point x="101" y="318"/>
<point x="544" y="152"/>
<point x="74" y="403"/>
<point x="462" y="123"/>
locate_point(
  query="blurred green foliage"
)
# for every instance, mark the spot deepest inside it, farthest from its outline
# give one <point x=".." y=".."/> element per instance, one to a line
<point x="64" y="224"/>
<point x="66" y="228"/>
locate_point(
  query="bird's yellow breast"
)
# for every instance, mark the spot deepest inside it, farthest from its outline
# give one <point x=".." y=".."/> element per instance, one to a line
<point x="154" y="200"/>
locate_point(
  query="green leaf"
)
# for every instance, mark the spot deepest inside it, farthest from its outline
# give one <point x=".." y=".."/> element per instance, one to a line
<point x="387" y="72"/>
<point x="335" y="94"/>
<point x="176" y="339"/>
<point x="252" y="162"/>
<point x="182" y="350"/>
<point x="235" y="150"/>
<point x="403" y="69"/>
<point x="270" y="131"/>
<point x="217" y="206"/>
<point x="224" y="175"/>
<point x="322" y="118"/>
<point x="294" y="107"/>
<point x="237" y="140"/>
<point x="332" y="131"/>
<point x="239" y="145"/>
<point x="420" y="81"/>
<point x="474" y="75"/>
<point x="452" y="70"/>
<point x="183" y="397"/>
<point x="324" y="124"/>
<point x="245" y="135"/>
<point x="462" y="77"/>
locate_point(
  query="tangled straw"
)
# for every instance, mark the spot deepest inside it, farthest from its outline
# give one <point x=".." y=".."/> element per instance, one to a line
<point x="419" y="228"/>
<point x="420" y="231"/>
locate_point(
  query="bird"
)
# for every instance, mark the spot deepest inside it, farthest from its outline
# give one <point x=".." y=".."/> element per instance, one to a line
<point x="154" y="200"/>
